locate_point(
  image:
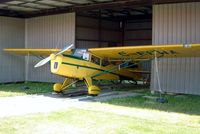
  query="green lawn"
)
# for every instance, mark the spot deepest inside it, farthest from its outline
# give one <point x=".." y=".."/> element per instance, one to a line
<point x="19" y="89"/>
<point x="80" y="121"/>
<point x="129" y="115"/>
<point x="188" y="104"/>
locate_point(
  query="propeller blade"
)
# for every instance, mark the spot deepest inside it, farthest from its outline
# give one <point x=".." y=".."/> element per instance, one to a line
<point x="65" y="49"/>
<point x="42" y="62"/>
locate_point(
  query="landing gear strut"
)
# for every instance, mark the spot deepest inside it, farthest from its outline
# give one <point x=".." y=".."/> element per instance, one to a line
<point x="92" y="89"/>
<point x="59" y="87"/>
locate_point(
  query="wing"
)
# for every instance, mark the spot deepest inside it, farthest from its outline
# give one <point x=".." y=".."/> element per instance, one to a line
<point x="34" y="52"/>
<point x="148" y="52"/>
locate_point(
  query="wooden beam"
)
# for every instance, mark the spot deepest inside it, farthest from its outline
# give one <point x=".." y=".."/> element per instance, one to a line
<point x="139" y="39"/>
<point x="4" y="1"/>
<point x="95" y="28"/>
<point x="96" y="6"/>
<point x="68" y="2"/>
<point x="139" y="29"/>
<point x="23" y="6"/>
<point x="45" y="4"/>
<point x="95" y="40"/>
<point x="9" y="13"/>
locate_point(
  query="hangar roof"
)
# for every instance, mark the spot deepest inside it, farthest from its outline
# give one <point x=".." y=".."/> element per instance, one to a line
<point x="32" y="8"/>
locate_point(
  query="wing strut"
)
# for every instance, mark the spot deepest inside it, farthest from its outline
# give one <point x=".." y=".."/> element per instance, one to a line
<point x="128" y="63"/>
<point x="160" y="99"/>
<point x="157" y="72"/>
<point x="27" y="67"/>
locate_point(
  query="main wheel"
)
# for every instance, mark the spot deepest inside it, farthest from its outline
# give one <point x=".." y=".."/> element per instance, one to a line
<point x="57" y="87"/>
<point x="93" y="90"/>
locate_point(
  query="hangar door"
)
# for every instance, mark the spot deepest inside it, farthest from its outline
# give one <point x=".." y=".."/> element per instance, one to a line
<point x="172" y="24"/>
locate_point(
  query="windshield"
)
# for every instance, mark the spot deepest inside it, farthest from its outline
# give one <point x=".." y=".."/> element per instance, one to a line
<point x="81" y="53"/>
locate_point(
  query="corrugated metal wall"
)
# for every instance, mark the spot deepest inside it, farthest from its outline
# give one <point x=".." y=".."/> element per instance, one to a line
<point x="177" y="23"/>
<point x="11" y="35"/>
<point x="88" y="35"/>
<point x="138" y="32"/>
<point x="47" y="32"/>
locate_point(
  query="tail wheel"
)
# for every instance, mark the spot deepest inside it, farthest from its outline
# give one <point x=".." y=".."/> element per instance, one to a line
<point x="116" y="82"/>
<point x="93" y="90"/>
<point x="133" y="82"/>
<point x="57" y="87"/>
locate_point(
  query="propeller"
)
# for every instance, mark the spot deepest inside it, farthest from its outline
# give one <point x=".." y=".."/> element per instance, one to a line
<point x="44" y="61"/>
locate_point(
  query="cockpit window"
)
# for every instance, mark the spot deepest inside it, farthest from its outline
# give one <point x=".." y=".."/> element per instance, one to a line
<point x="95" y="60"/>
<point x="86" y="56"/>
<point x="81" y="53"/>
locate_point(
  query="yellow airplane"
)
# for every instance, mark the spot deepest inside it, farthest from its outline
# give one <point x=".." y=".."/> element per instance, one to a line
<point x="113" y="63"/>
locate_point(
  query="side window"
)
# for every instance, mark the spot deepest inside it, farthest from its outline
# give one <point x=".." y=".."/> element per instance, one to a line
<point x="86" y="56"/>
<point x="95" y="60"/>
<point x="105" y="62"/>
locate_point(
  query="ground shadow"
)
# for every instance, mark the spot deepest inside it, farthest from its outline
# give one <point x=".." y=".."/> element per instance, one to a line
<point x="179" y="103"/>
<point x="187" y="104"/>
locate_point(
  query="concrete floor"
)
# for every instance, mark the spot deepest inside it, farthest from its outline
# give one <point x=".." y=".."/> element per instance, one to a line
<point x="22" y="105"/>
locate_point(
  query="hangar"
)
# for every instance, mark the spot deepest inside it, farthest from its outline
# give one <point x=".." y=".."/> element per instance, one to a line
<point x="100" y="23"/>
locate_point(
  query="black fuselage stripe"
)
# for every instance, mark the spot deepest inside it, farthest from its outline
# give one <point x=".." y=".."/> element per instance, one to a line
<point x="66" y="63"/>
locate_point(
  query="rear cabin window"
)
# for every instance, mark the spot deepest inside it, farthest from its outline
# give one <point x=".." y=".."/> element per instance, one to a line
<point x="105" y="62"/>
<point x="95" y="60"/>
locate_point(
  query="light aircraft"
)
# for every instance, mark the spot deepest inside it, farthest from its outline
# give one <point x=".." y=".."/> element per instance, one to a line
<point x="113" y="63"/>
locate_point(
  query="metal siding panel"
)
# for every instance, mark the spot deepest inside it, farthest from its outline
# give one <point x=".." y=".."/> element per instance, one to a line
<point x="177" y="23"/>
<point x="11" y="36"/>
<point x="92" y="33"/>
<point x="86" y="21"/>
<point x="48" y="32"/>
<point x="142" y="34"/>
<point x="111" y="35"/>
<point x="138" y="43"/>
<point x="138" y="34"/>
<point x="132" y="25"/>
<point x="86" y="33"/>
<point x="172" y="38"/>
<point x="87" y="44"/>
<point x="110" y="24"/>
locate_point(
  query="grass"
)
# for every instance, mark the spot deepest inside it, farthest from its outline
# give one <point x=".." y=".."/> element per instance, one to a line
<point x="20" y="89"/>
<point x="90" y="122"/>
<point x="188" y="104"/>
<point x="129" y="115"/>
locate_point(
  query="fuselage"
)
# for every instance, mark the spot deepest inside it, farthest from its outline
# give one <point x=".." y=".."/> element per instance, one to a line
<point x="77" y="67"/>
